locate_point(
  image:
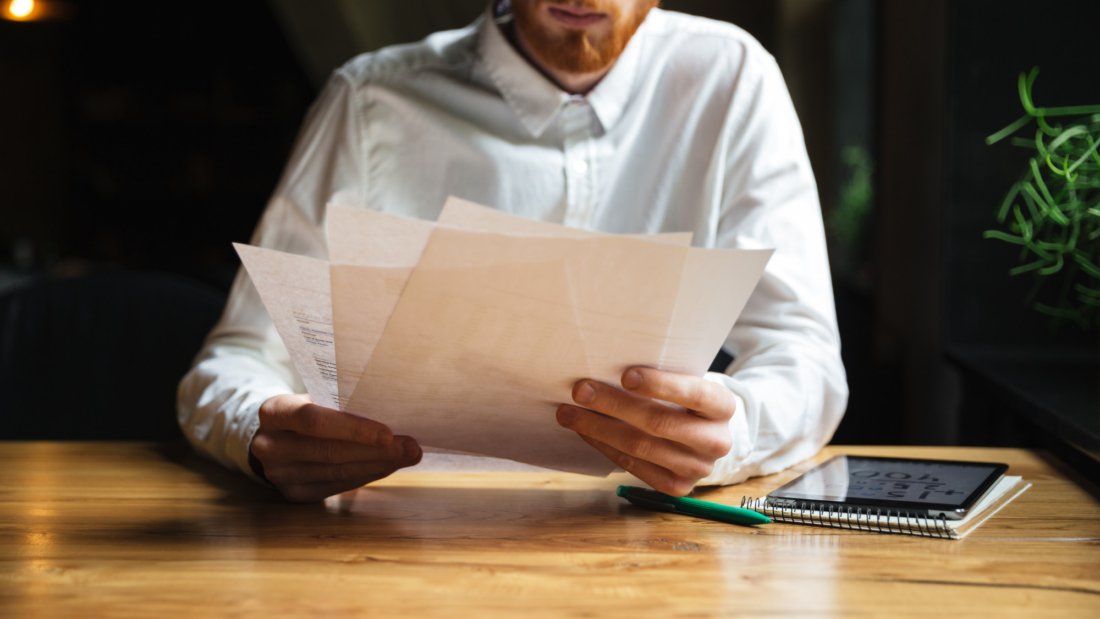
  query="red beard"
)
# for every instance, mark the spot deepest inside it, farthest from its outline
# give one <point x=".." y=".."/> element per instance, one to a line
<point x="578" y="51"/>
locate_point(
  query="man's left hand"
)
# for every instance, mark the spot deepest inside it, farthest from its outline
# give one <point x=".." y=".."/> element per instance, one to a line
<point x="666" y="429"/>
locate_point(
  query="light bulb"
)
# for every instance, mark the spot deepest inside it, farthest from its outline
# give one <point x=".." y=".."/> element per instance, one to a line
<point x="21" y="9"/>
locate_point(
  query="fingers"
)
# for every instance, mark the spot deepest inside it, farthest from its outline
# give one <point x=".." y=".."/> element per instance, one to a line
<point x="659" y="478"/>
<point x="705" y="398"/>
<point x="297" y="414"/>
<point x="704" y="435"/>
<point x="306" y="481"/>
<point x="349" y="474"/>
<point x="667" y="429"/>
<point x="310" y="452"/>
<point x="283" y="445"/>
<point x="677" y="458"/>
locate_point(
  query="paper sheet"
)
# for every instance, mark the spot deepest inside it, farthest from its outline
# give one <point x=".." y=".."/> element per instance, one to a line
<point x="372" y="255"/>
<point x="467" y="333"/>
<point x="360" y="236"/>
<point x="296" y="292"/>
<point x="459" y="213"/>
<point x="492" y="331"/>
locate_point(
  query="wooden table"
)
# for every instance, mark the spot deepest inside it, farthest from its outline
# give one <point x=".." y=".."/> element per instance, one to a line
<point x="133" y="529"/>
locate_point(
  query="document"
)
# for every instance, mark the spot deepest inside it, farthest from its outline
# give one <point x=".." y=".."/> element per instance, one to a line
<point x="371" y="256"/>
<point x="459" y="213"/>
<point x="468" y="332"/>
<point x="296" y="292"/>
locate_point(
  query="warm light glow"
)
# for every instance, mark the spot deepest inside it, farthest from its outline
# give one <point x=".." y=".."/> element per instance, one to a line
<point x="36" y="10"/>
<point x="21" y="9"/>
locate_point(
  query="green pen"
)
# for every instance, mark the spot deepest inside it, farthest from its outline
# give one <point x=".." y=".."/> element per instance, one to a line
<point x="652" y="499"/>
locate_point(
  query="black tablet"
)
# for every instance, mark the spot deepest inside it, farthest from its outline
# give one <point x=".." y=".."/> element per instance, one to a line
<point x="931" y="488"/>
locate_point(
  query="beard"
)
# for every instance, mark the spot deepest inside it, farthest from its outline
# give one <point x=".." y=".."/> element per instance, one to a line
<point x="578" y="51"/>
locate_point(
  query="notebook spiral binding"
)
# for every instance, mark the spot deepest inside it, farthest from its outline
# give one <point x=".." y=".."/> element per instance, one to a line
<point x="859" y="519"/>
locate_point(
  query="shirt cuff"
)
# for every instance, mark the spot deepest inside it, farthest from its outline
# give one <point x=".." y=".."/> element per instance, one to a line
<point x="242" y="430"/>
<point x="728" y="468"/>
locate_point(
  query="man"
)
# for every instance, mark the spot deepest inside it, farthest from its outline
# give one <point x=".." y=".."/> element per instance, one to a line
<point x="603" y="114"/>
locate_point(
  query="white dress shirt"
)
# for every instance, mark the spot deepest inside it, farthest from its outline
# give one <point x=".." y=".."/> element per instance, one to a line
<point x="691" y="130"/>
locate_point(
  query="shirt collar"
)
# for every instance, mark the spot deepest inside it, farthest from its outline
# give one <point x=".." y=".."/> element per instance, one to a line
<point x="535" y="99"/>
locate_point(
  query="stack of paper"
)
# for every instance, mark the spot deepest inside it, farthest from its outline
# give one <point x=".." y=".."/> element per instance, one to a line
<point x="466" y="333"/>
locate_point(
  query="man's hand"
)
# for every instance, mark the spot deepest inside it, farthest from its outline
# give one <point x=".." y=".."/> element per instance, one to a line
<point x="310" y="452"/>
<point x="666" y="429"/>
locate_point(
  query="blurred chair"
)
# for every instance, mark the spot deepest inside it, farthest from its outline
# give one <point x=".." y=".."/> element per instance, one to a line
<point x="99" y="356"/>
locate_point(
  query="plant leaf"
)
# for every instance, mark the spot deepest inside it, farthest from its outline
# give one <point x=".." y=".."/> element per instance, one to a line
<point x="1086" y="264"/>
<point x="1007" y="131"/>
<point x="1027" y="268"/>
<point x="1003" y="236"/>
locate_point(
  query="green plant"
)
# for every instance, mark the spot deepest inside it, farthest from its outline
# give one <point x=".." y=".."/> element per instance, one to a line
<point x="850" y="217"/>
<point x="1053" y="211"/>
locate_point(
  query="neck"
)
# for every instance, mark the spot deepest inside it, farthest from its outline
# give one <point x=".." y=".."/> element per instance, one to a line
<point x="572" y="83"/>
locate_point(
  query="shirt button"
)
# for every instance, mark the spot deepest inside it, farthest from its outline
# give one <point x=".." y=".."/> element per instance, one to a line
<point x="579" y="166"/>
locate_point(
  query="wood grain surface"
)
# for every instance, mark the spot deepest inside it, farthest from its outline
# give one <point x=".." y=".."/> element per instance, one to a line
<point x="144" y="530"/>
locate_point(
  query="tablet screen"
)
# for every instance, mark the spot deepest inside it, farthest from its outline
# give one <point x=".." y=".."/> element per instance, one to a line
<point x="894" y="483"/>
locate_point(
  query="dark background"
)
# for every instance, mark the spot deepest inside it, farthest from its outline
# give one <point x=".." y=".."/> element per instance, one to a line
<point x="139" y="139"/>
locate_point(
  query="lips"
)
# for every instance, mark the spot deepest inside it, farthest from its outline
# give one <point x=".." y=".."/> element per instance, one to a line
<point x="576" y="17"/>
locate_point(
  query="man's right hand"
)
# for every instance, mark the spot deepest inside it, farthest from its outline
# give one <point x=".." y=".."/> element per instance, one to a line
<point x="309" y="452"/>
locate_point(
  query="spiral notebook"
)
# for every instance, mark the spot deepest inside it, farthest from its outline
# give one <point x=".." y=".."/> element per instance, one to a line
<point x="928" y="498"/>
